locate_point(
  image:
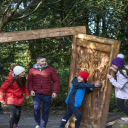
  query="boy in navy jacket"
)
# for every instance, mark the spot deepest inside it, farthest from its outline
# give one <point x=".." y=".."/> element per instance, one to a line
<point x="75" y="98"/>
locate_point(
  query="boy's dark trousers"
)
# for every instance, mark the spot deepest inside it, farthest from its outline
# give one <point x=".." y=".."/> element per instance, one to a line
<point x="71" y="110"/>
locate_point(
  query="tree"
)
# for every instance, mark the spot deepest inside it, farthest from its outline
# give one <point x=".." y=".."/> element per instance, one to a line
<point x="12" y="10"/>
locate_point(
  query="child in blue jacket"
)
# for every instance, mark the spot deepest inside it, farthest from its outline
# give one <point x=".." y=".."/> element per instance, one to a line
<point x="75" y="98"/>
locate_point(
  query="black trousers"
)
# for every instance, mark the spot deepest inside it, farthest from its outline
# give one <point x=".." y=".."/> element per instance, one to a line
<point x="71" y="110"/>
<point x="15" y="114"/>
<point x="120" y="103"/>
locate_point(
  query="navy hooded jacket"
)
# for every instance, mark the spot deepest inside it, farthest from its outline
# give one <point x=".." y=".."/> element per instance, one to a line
<point x="77" y="92"/>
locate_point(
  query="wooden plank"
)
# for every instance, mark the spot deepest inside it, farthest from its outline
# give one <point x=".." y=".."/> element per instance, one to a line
<point x="39" y="34"/>
<point x="114" y="52"/>
<point x="90" y="55"/>
<point x="92" y="45"/>
<point x="95" y="38"/>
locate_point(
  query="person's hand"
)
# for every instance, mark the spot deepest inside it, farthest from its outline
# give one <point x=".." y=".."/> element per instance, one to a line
<point x="32" y="93"/>
<point x="54" y="95"/>
<point x="27" y="97"/>
<point x="112" y="68"/>
<point x="109" y="76"/>
<point x="91" y="89"/>
<point x="98" y="84"/>
<point x="3" y="102"/>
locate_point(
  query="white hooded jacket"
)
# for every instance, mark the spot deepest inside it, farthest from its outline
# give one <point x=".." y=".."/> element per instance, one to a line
<point x="121" y="86"/>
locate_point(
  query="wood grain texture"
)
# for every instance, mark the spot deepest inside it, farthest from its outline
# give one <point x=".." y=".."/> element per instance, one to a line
<point x="93" y="54"/>
<point x="39" y="34"/>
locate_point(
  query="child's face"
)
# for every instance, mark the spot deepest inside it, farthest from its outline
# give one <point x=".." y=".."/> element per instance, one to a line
<point x="80" y="79"/>
<point x="114" y="66"/>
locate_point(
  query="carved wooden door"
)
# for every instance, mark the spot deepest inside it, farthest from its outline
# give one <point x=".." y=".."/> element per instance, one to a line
<point x="93" y="54"/>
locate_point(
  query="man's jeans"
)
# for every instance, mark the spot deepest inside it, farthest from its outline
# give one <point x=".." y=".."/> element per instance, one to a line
<point x="37" y="99"/>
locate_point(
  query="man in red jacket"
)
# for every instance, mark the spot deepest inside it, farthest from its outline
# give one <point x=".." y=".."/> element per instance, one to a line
<point x="43" y="83"/>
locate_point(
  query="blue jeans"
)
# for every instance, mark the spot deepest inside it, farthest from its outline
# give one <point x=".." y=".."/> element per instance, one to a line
<point x="37" y="99"/>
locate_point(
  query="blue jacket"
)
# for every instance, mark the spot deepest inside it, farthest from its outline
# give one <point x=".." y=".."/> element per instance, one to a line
<point x="77" y="92"/>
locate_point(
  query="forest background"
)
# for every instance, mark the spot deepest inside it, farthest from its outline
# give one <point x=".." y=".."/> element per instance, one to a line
<point x="104" y="18"/>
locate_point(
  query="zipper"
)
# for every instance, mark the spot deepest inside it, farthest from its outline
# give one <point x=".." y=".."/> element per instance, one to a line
<point x="41" y="81"/>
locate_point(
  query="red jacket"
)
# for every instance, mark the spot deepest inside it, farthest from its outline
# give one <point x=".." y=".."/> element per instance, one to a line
<point x="11" y="74"/>
<point x="13" y="94"/>
<point x="41" y="81"/>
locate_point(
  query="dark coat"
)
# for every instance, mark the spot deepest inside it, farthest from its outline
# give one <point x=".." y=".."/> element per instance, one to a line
<point x="77" y="92"/>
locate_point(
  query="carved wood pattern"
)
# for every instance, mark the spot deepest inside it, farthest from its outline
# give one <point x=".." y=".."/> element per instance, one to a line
<point x="93" y="61"/>
<point x="93" y="54"/>
<point x="96" y="63"/>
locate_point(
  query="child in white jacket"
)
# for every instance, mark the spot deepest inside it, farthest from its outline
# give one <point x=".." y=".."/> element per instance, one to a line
<point x="121" y="82"/>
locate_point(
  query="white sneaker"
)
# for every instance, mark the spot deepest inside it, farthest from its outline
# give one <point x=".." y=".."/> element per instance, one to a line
<point x="37" y="126"/>
<point x="124" y="118"/>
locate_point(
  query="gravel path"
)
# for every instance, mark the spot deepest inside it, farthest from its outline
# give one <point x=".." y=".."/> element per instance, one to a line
<point x="27" y="120"/>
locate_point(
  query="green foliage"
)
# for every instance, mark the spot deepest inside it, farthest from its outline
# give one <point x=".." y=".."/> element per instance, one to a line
<point x="64" y="79"/>
<point x="113" y="103"/>
<point x="28" y="103"/>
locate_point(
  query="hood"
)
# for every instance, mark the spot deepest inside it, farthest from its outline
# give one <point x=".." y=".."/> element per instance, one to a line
<point x="36" y="66"/>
